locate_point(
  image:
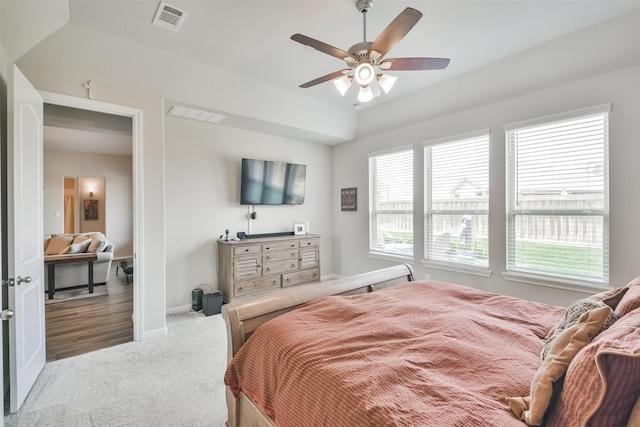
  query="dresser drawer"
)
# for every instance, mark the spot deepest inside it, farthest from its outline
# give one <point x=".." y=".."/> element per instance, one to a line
<point x="279" y="267"/>
<point x="305" y="243"/>
<point x="257" y="286"/>
<point x="280" y="246"/>
<point x="291" y="279"/>
<point x="245" y="250"/>
<point x="293" y="254"/>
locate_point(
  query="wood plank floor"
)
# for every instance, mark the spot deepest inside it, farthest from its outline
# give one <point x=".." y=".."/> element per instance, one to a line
<point x="81" y="326"/>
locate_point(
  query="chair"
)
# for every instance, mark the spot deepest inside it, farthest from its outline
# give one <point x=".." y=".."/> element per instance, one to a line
<point x="126" y="269"/>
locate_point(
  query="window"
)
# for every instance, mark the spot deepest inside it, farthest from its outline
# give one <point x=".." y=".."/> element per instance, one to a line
<point x="391" y="203"/>
<point x="457" y="200"/>
<point x="558" y="197"/>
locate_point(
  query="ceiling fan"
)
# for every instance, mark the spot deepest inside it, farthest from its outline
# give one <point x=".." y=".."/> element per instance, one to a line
<point x="363" y="58"/>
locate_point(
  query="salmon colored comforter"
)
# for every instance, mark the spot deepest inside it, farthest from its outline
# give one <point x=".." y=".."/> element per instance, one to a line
<point x="417" y="354"/>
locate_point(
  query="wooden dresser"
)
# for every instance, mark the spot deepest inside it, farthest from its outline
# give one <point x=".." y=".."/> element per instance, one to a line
<point x="253" y="266"/>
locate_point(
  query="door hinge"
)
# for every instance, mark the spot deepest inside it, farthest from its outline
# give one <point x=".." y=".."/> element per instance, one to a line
<point x="9" y="282"/>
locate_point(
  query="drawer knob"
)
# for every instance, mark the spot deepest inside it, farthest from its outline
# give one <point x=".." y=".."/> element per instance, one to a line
<point x="293" y="266"/>
<point x="246" y="250"/>
<point x="268" y="270"/>
<point x="267" y="248"/>
<point x="288" y="280"/>
<point x="268" y="258"/>
<point x="274" y="282"/>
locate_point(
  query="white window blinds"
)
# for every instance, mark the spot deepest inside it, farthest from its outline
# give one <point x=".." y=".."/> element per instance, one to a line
<point x="391" y="203"/>
<point x="558" y="197"/>
<point x="457" y="200"/>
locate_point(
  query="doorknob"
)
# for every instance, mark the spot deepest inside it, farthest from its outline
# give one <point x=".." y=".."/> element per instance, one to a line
<point x="6" y="314"/>
<point x="23" y="279"/>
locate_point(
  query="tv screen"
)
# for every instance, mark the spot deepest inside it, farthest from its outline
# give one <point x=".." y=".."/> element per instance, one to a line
<point x="272" y="183"/>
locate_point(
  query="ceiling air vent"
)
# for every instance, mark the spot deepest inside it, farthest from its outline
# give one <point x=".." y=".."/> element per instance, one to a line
<point x="169" y="17"/>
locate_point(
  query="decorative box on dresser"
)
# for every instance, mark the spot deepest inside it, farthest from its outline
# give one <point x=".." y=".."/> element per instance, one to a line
<point x="250" y="267"/>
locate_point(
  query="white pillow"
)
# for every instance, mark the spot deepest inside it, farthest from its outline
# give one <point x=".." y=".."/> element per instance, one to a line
<point x="81" y="247"/>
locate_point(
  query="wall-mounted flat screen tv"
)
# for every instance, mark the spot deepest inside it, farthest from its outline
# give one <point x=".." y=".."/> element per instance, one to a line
<point x="266" y="182"/>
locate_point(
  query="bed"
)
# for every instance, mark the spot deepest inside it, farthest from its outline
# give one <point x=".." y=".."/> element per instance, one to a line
<point x="383" y="349"/>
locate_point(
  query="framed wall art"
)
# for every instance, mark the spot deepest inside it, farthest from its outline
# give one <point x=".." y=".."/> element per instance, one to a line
<point x="90" y="210"/>
<point x="349" y="199"/>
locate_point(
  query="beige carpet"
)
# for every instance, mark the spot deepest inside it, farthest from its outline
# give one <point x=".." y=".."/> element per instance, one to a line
<point x="174" y="380"/>
<point x="74" y="294"/>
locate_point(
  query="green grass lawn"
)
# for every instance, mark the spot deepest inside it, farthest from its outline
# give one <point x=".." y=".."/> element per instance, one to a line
<point x="571" y="260"/>
<point x="535" y="256"/>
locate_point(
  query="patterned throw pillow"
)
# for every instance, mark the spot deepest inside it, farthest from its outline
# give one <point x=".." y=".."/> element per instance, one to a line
<point x="569" y="342"/>
<point x="570" y="318"/>
<point x="602" y="384"/>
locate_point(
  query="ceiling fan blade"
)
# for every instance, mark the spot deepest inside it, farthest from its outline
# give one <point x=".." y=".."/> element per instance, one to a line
<point x="326" y="78"/>
<point x="323" y="47"/>
<point x="414" y="64"/>
<point x="395" y="31"/>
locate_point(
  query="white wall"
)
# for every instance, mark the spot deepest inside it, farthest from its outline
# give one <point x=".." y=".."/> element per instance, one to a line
<point x="133" y="75"/>
<point x="61" y="67"/>
<point x="202" y="175"/>
<point x="117" y="200"/>
<point x="74" y="54"/>
<point x="621" y="88"/>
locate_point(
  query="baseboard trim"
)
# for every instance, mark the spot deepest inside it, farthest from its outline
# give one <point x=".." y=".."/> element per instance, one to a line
<point x="160" y="332"/>
<point x="179" y="309"/>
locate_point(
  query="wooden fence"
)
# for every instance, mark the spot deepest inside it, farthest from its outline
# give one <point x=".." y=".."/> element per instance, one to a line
<point x="574" y="228"/>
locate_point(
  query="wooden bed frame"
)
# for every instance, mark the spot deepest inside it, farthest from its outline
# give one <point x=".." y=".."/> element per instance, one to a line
<point x="243" y="318"/>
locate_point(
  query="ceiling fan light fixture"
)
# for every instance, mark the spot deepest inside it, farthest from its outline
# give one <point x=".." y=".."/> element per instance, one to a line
<point x="386" y="81"/>
<point x="343" y="84"/>
<point x="365" y="94"/>
<point x="364" y="74"/>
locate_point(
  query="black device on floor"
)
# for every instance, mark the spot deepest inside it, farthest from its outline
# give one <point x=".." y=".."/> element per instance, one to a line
<point x="212" y="303"/>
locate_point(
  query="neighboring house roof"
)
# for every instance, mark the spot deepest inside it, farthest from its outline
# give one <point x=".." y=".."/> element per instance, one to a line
<point x="463" y="187"/>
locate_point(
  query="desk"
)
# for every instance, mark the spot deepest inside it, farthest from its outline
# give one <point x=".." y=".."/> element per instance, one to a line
<point x="52" y="260"/>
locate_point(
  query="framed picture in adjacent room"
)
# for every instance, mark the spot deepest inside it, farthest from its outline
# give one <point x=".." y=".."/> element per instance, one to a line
<point x="349" y="199"/>
<point x="90" y="210"/>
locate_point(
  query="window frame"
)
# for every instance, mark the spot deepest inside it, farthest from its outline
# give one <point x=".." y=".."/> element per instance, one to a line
<point x="372" y="214"/>
<point x="428" y="260"/>
<point x="554" y="279"/>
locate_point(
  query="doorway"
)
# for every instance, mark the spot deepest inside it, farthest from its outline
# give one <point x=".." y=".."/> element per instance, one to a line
<point x="84" y="207"/>
<point x="135" y="147"/>
<point x="69" y="208"/>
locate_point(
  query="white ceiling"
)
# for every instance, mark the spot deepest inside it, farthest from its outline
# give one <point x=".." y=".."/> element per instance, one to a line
<point x="86" y="141"/>
<point x="252" y="38"/>
<point x="70" y="129"/>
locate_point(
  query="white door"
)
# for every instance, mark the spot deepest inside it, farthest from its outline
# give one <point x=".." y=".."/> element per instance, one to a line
<point x="27" y="352"/>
